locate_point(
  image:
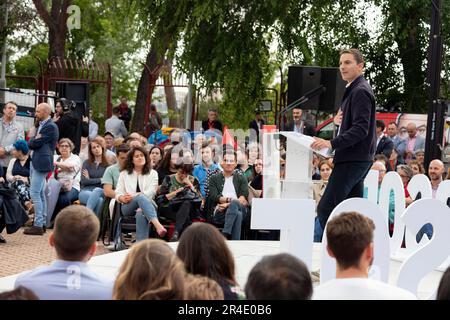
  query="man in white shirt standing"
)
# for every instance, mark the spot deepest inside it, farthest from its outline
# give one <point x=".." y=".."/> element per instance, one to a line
<point x="350" y="242"/>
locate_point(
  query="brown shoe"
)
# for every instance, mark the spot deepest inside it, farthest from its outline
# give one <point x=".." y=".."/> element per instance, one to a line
<point x="34" y="231"/>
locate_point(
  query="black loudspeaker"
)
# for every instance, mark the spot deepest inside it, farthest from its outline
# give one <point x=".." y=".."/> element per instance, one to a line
<point x="302" y="79"/>
<point x="76" y="91"/>
<point x="331" y="98"/>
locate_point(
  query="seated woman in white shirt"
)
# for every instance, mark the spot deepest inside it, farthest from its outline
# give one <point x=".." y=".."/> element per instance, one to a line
<point x="136" y="189"/>
<point x="68" y="173"/>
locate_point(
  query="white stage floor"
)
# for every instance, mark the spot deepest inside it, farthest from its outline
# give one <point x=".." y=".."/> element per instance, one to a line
<point x="246" y="254"/>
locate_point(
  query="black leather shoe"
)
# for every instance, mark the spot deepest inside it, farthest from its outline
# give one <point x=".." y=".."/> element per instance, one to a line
<point x="34" y="231"/>
<point x="2" y="240"/>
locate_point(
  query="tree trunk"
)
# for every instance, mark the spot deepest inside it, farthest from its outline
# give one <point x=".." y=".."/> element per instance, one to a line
<point x="169" y="91"/>
<point x="146" y="87"/>
<point x="56" y="22"/>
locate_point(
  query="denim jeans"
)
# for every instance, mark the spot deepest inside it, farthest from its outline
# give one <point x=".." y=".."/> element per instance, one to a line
<point x="65" y="199"/>
<point x="232" y="219"/>
<point x="346" y="181"/>
<point x="143" y="216"/>
<point x="318" y="231"/>
<point x="94" y="201"/>
<point x="37" y="188"/>
<point x="426" y="229"/>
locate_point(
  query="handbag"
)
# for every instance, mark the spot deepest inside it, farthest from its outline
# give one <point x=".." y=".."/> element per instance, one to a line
<point x="186" y="195"/>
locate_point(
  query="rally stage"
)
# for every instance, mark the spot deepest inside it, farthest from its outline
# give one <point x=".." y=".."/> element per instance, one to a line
<point x="247" y="254"/>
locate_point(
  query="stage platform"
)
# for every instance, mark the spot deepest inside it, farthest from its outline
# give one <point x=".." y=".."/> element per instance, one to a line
<point x="246" y="254"/>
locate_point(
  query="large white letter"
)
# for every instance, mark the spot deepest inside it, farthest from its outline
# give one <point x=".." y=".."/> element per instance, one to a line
<point x="433" y="253"/>
<point x="295" y="219"/>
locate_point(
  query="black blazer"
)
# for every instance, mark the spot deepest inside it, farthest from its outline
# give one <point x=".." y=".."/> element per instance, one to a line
<point x="356" y="141"/>
<point x="385" y="147"/>
<point x="308" y="129"/>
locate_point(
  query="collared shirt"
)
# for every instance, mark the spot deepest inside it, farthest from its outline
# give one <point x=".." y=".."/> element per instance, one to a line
<point x="411" y="143"/>
<point x="298" y="128"/>
<point x="9" y="127"/>
<point x="42" y="123"/>
<point x="379" y="138"/>
<point x="66" y="280"/>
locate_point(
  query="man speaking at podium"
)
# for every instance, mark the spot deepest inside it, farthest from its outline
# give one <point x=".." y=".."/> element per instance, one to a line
<point x="355" y="142"/>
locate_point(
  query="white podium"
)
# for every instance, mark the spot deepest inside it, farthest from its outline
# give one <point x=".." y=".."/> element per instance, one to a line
<point x="297" y="183"/>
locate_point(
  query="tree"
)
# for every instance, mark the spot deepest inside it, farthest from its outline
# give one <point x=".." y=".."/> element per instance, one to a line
<point x="56" y="21"/>
<point x="164" y="21"/>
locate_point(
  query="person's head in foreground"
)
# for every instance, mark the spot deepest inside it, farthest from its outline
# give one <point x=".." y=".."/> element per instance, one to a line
<point x="350" y="241"/>
<point x="75" y="234"/>
<point x="443" y="292"/>
<point x="151" y="271"/>
<point x="204" y="251"/>
<point x="20" y="293"/>
<point x="202" y="288"/>
<point x="279" y="277"/>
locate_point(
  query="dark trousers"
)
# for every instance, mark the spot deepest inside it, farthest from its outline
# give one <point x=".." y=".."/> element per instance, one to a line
<point x="346" y="181"/>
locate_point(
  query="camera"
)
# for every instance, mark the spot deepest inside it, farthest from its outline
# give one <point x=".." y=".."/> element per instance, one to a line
<point x="67" y="105"/>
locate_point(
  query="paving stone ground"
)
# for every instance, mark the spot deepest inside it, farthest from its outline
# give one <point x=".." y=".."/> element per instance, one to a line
<point x="23" y="252"/>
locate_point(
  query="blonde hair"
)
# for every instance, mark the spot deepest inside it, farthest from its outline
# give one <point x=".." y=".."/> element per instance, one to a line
<point x="151" y="271"/>
<point x="202" y="288"/>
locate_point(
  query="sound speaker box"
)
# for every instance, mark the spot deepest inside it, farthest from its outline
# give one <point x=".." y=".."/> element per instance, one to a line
<point x="331" y="98"/>
<point x="302" y="79"/>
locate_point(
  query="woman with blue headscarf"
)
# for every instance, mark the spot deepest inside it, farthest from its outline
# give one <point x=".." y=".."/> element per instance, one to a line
<point x="18" y="173"/>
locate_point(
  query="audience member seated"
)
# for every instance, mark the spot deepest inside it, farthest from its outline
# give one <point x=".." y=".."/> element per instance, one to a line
<point x="350" y="242"/>
<point x="136" y="189"/>
<point x="227" y="200"/>
<point x="151" y="271"/>
<point x="279" y="277"/>
<point x="19" y="293"/>
<point x="69" y="277"/>
<point x="443" y="292"/>
<point x="202" y="288"/>
<point x="93" y="169"/>
<point x="315" y="167"/>
<point x="243" y="165"/>
<point x="68" y="174"/>
<point x="18" y="173"/>
<point x="109" y="140"/>
<point x="384" y="159"/>
<point x="416" y="167"/>
<point x="108" y="181"/>
<point x="255" y="187"/>
<point x="205" y="252"/>
<point x="167" y="165"/>
<point x="201" y="170"/>
<point x="420" y="156"/>
<point x="253" y="153"/>
<point x="406" y="175"/>
<point x="156" y="156"/>
<point x="325" y="169"/>
<point x="176" y="201"/>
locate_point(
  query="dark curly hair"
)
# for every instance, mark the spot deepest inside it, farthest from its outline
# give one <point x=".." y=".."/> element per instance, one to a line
<point x="129" y="166"/>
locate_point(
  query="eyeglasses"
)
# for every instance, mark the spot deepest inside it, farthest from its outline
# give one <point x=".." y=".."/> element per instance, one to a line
<point x="64" y="146"/>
